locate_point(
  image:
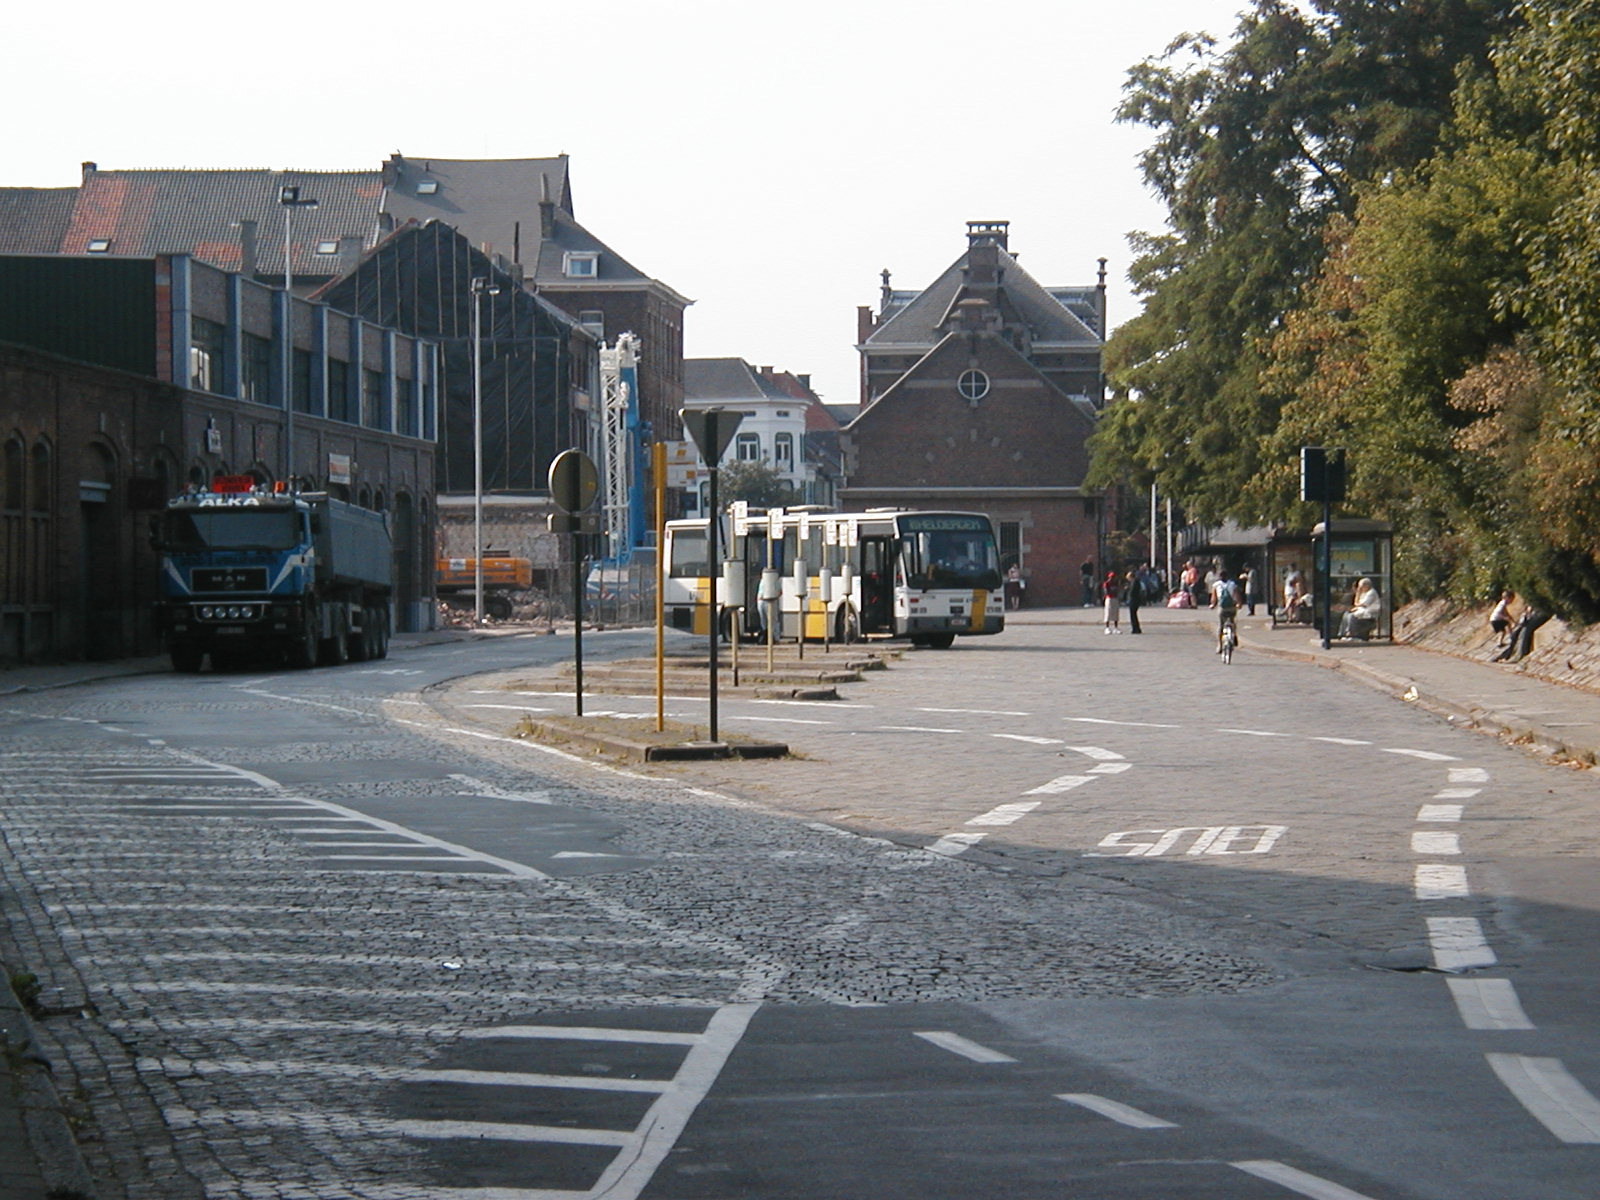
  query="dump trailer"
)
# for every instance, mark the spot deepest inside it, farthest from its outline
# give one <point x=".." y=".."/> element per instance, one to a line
<point x="250" y="574"/>
<point x="456" y="582"/>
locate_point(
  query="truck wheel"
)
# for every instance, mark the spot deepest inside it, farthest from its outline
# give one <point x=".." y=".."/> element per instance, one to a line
<point x="303" y="654"/>
<point x="498" y="607"/>
<point x="383" y="633"/>
<point x="335" y="651"/>
<point x="361" y="643"/>
<point x="186" y="659"/>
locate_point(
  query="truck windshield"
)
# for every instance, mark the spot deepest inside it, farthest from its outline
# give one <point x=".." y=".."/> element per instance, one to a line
<point x="231" y="529"/>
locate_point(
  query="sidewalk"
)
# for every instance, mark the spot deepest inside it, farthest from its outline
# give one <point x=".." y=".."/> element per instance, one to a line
<point x="38" y="1158"/>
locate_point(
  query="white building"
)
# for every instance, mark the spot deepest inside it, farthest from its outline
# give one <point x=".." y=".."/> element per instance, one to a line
<point x="774" y="426"/>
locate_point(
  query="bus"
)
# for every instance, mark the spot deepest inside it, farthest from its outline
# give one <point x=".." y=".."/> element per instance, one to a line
<point x="929" y="577"/>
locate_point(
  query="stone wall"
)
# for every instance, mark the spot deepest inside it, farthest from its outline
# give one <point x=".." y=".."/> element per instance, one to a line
<point x="1561" y="653"/>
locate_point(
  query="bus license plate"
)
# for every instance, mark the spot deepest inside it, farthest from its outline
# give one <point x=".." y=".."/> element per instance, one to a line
<point x="959" y="622"/>
<point x="226" y="629"/>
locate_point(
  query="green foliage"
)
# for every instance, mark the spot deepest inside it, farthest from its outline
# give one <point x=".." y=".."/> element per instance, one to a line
<point x="756" y="483"/>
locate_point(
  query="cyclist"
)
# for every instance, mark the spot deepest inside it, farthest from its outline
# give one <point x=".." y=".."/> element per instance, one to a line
<point x="1225" y="599"/>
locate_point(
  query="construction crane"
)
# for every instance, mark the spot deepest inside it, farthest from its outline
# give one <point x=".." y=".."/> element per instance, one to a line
<point x="619" y="391"/>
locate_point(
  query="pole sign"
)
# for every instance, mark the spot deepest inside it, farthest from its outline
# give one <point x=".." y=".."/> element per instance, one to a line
<point x="574" y="484"/>
<point x="711" y="429"/>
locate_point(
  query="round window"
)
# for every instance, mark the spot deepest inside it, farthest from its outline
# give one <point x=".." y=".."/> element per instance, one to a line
<point x="974" y="385"/>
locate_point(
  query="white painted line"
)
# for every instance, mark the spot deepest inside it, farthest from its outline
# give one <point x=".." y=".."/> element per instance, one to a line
<point x="1111" y="768"/>
<point x="1254" y="732"/>
<point x="583" y="1033"/>
<point x="243" y="1066"/>
<point x="1488" y="1004"/>
<point x="1458" y="944"/>
<point x="1062" y="783"/>
<point x="1121" y="1113"/>
<point x="1313" y="1186"/>
<point x="1128" y="724"/>
<point x="1435" y="841"/>
<point x="1022" y="737"/>
<point x="523" y="707"/>
<point x="1456" y="793"/>
<point x="629" y="1174"/>
<point x="1546" y="1089"/>
<point x="956" y="843"/>
<point x="379" y="1127"/>
<point x="1005" y="814"/>
<point x="957" y="1044"/>
<point x="1468" y="775"/>
<point x="976" y="712"/>
<point x="915" y="729"/>
<point x="1341" y="741"/>
<point x="784" y="720"/>
<point x="1097" y="752"/>
<point x="1429" y="755"/>
<point x="1439" y="812"/>
<point x="1435" y="881"/>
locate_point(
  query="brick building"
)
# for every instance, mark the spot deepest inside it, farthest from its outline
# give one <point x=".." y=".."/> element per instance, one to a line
<point x="123" y="379"/>
<point x="980" y="393"/>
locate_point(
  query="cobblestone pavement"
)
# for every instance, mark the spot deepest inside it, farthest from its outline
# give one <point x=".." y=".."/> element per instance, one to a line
<point x="264" y="990"/>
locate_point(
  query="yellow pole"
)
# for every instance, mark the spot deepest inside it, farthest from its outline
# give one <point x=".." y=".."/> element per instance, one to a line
<point x="658" y="467"/>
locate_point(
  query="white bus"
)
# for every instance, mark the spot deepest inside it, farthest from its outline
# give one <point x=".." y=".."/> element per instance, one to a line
<point x="926" y="576"/>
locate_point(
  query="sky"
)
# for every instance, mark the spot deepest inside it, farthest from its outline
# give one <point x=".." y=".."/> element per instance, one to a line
<point x="766" y="160"/>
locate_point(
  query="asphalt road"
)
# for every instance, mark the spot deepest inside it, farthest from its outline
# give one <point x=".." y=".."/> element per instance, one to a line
<point x="1055" y="913"/>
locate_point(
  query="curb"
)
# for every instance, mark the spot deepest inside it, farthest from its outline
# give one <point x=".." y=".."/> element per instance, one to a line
<point x="49" y="1134"/>
<point x="631" y="750"/>
<point x="1514" y="730"/>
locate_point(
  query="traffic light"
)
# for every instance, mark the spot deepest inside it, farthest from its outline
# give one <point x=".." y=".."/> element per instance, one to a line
<point x="1321" y="475"/>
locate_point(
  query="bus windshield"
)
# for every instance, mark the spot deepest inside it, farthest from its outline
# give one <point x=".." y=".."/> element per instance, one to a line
<point x="186" y="531"/>
<point x="950" y="558"/>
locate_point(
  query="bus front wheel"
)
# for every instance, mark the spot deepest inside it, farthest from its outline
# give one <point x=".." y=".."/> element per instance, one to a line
<point x="934" y="641"/>
<point x="847" y="627"/>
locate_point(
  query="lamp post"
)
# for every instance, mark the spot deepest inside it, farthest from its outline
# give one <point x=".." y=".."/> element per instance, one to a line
<point x="479" y="288"/>
<point x="289" y="199"/>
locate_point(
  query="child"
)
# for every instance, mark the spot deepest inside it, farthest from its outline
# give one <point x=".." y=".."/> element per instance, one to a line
<point x="1500" y="618"/>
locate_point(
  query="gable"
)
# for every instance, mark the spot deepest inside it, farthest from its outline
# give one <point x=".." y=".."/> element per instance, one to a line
<point x="923" y="433"/>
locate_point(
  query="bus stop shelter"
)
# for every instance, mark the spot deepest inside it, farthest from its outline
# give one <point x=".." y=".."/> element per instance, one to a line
<point x="1362" y="549"/>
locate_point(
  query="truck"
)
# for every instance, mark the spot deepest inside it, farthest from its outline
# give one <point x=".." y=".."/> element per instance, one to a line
<point x="456" y="582"/>
<point x="249" y="573"/>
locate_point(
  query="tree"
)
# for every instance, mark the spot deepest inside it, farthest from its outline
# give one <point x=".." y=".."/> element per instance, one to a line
<point x="1259" y="148"/>
<point x="757" y="483"/>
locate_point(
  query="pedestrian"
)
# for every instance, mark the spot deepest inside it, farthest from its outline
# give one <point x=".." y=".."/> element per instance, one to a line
<point x="1500" y="619"/>
<point x="1134" y="588"/>
<point x="1111" y="591"/>
<point x="1191" y="583"/>
<point x="1247" y="584"/>
<point x="1086" y="578"/>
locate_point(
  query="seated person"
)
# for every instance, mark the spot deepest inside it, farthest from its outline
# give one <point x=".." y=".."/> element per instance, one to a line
<point x="1362" y="617"/>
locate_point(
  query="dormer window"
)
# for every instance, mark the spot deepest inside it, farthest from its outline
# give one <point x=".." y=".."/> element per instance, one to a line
<point x="329" y="247"/>
<point x="99" y="245"/>
<point x="581" y="264"/>
<point x="427" y="187"/>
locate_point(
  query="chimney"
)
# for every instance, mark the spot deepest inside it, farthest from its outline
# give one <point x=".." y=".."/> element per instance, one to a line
<point x="349" y="254"/>
<point x="885" y="293"/>
<point x="547" y="208"/>
<point x="248" y="249"/>
<point x="989" y="233"/>
<point x="89" y="169"/>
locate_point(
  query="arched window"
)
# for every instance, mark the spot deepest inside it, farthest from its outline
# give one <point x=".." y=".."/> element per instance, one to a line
<point x="41" y="491"/>
<point x="14" y="475"/>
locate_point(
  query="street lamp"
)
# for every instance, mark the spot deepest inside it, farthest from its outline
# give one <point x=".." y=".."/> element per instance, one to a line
<point x="289" y="199"/>
<point x="479" y="287"/>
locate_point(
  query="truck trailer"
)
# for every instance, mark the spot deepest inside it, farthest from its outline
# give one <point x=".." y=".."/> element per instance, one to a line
<point x="249" y="574"/>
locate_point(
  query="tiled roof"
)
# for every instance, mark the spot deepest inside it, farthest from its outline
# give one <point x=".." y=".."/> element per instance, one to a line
<point x="712" y="379"/>
<point x="491" y="201"/>
<point x="1048" y="318"/>
<point x="33" y="220"/>
<point x="199" y="213"/>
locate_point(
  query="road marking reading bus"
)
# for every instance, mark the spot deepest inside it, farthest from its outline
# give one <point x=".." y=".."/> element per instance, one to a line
<point x="1207" y="839"/>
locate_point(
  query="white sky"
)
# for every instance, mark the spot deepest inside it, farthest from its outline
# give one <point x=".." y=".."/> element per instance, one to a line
<point x="765" y="160"/>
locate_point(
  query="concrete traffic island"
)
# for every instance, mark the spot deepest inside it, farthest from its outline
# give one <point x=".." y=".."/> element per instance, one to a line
<point x="634" y="740"/>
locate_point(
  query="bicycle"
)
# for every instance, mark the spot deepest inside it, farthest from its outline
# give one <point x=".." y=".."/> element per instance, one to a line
<point x="1227" y="640"/>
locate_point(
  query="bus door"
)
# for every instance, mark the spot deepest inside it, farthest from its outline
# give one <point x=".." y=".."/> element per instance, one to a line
<point x="877" y="583"/>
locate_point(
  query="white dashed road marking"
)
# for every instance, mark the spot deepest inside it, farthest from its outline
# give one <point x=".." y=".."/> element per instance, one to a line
<point x="1548" y="1091"/>
<point x="1488" y="1004"/>
<point x="1313" y="1186"/>
<point x="1458" y="944"/>
<point x="1435" y="881"/>
<point x="1123" y="1114"/>
<point x="957" y="1044"/>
